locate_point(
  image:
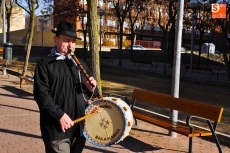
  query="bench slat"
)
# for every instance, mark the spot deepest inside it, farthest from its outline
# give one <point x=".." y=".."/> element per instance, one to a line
<point x="181" y="129"/>
<point x="142" y="63"/>
<point x="198" y="68"/>
<point x="4" y="62"/>
<point x="213" y="113"/>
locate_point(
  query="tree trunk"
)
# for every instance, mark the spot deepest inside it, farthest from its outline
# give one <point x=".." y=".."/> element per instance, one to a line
<point x="8" y="29"/>
<point x="200" y="44"/>
<point x="9" y="8"/>
<point x="165" y="49"/>
<point x="85" y="48"/>
<point x="29" y="40"/>
<point x="226" y="60"/>
<point x="84" y="30"/>
<point x="120" y="44"/>
<point x="132" y="42"/>
<point x="94" y="41"/>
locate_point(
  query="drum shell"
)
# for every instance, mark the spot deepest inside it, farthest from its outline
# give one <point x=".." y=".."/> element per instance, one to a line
<point x="111" y="125"/>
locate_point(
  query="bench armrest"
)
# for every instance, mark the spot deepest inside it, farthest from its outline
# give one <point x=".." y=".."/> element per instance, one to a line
<point x="215" y="72"/>
<point x="154" y="63"/>
<point x="211" y="126"/>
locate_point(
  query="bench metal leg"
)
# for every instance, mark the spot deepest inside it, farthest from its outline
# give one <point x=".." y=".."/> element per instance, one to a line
<point x="190" y="140"/>
<point x="152" y="67"/>
<point x="20" y="83"/>
<point x="214" y="74"/>
<point x="135" y="120"/>
<point x="210" y="77"/>
<point x="185" y="72"/>
<point x="214" y="135"/>
<point x="134" y="65"/>
<point x="139" y="66"/>
<point x="132" y="105"/>
<point x="190" y="145"/>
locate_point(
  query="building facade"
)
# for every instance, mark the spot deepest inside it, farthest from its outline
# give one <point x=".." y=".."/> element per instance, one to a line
<point x="17" y="20"/>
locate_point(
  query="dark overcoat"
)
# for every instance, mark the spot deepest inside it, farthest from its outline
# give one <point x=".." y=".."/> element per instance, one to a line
<point x="58" y="89"/>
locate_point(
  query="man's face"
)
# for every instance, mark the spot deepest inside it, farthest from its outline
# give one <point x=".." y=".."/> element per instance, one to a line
<point x="63" y="43"/>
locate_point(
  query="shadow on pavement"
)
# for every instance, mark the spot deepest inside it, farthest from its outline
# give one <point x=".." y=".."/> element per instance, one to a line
<point x="20" y="93"/>
<point x="20" y="133"/>
<point x="19" y="108"/>
<point x="13" y="72"/>
<point x="136" y="145"/>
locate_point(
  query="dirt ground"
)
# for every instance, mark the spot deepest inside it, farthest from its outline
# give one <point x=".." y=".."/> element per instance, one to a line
<point x="123" y="81"/>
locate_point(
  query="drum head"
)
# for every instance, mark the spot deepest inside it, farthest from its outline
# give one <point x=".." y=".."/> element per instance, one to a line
<point x="106" y="127"/>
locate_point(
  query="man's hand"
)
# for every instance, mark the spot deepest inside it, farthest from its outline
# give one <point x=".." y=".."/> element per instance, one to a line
<point x="65" y="122"/>
<point x="91" y="82"/>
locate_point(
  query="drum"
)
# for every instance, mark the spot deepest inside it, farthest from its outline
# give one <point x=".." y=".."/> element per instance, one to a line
<point x="111" y="125"/>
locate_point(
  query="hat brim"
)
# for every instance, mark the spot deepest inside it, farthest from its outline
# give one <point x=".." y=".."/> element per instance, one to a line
<point x="66" y="33"/>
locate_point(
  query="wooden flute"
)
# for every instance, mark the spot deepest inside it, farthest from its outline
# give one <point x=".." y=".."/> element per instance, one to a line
<point x="80" y="66"/>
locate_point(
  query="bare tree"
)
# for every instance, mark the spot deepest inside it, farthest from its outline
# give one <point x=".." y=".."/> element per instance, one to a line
<point x="216" y="26"/>
<point x="225" y="30"/>
<point x="133" y="14"/>
<point x="120" y="8"/>
<point x="84" y="26"/>
<point x="31" y="7"/>
<point x="167" y="11"/>
<point x="65" y="10"/>
<point x="9" y="9"/>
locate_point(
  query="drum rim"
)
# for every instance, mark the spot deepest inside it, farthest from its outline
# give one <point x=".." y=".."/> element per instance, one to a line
<point x="124" y="127"/>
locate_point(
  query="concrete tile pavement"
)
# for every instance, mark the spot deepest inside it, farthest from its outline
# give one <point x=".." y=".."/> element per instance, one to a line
<point x="20" y="133"/>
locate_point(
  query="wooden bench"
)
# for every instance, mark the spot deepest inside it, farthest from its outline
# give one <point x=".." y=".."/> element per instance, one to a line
<point x="199" y="69"/>
<point x="27" y="78"/>
<point x="1" y="50"/>
<point x="142" y="62"/>
<point x="208" y="114"/>
<point x="108" y="59"/>
<point x="3" y="66"/>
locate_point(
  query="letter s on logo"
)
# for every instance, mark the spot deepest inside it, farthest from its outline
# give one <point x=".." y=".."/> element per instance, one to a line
<point x="215" y="8"/>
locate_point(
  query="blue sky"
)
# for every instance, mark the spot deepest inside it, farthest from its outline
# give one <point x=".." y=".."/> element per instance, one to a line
<point x="41" y="5"/>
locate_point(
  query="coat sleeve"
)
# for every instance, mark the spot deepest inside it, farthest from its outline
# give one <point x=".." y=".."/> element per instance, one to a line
<point x="42" y="93"/>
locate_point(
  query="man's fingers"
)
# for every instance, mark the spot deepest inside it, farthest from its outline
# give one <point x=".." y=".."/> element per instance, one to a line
<point x="65" y="122"/>
<point x="63" y="129"/>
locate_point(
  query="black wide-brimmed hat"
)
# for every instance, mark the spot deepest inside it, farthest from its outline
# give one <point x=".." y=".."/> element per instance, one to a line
<point x="66" y="28"/>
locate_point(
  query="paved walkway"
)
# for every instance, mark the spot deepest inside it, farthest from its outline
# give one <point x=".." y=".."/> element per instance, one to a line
<point x="20" y="133"/>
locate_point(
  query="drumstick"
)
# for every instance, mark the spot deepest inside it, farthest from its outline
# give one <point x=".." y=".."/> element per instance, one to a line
<point x="84" y="117"/>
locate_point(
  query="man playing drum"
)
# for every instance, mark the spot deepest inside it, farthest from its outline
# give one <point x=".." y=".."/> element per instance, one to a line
<point x="61" y="91"/>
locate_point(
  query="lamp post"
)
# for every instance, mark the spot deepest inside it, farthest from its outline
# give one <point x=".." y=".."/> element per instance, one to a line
<point x="43" y="11"/>
<point x="3" y="22"/>
<point x="84" y="28"/>
<point x="100" y="12"/>
<point x="208" y="17"/>
<point x="194" y="5"/>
